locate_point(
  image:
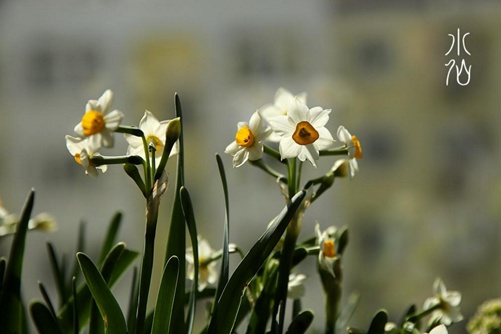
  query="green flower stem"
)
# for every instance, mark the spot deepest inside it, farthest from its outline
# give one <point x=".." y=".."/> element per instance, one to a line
<point x="131" y="130"/>
<point x="152" y="152"/>
<point x="335" y="151"/>
<point x="260" y="164"/>
<point x="127" y="159"/>
<point x="291" y="180"/>
<point x="272" y="152"/>
<point x="152" y="205"/>
<point x="414" y="318"/>
<point x="171" y="137"/>
<point x="147" y="174"/>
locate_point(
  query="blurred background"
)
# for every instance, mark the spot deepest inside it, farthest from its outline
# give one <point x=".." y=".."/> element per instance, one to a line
<point x="424" y="205"/>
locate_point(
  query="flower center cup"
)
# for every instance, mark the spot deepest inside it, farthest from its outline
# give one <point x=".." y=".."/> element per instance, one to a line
<point x="77" y="158"/>
<point x="92" y="122"/>
<point x="157" y="144"/>
<point x="329" y="248"/>
<point x="305" y="133"/>
<point x="358" y="147"/>
<point x="244" y="137"/>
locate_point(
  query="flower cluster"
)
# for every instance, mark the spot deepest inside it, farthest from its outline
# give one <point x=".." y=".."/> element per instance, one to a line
<point x="300" y="132"/>
<point x="147" y="143"/>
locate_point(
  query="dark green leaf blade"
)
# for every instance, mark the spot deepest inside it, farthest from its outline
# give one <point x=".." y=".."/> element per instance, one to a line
<point x="301" y="323"/>
<point x="378" y="323"/>
<point x="163" y="310"/>
<point x="12" y="312"/>
<point x="111" y="235"/>
<point x="106" y="302"/>
<point x="227" y="307"/>
<point x="43" y="319"/>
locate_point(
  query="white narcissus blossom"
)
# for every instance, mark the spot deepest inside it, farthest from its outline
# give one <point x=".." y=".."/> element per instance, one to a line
<point x="248" y="144"/>
<point x="98" y="123"/>
<point x="295" y="288"/>
<point x="83" y="150"/>
<point x="303" y="132"/>
<point x="353" y="146"/>
<point x="440" y="329"/>
<point x="327" y="254"/>
<point x="154" y="132"/>
<point x="9" y="221"/>
<point x="207" y="273"/>
<point x="447" y="303"/>
<point x="280" y="107"/>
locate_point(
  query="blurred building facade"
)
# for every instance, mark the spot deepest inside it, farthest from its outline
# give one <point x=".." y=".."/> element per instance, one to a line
<point x="425" y="201"/>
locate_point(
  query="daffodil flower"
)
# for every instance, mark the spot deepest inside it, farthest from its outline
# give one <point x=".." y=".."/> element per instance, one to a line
<point x="83" y="150"/>
<point x="440" y="329"/>
<point x="280" y="107"/>
<point x="8" y="222"/>
<point x="98" y="123"/>
<point x="446" y="304"/>
<point x="154" y="132"/>
<point x="353" y="146"/>
<point x="296" y="289"/>
<point x="248" y="144"/>
<point x="303" y="132"/>
<point x="327" y="254"/>
<point x="207" y="273"/>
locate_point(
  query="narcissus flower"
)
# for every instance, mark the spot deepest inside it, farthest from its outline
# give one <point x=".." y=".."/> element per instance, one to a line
<point x="98" y="123"/>
<point x="327" y="254"/>
<point x="248" y="144"/>
<point x="295" y="288"/>
<point x="207" y="273"/>
<point x="353" y="146"/>
<point x="8" y="222"/>
<point x="83" y="150"/>
<point x="447" y="303"/>
<point x="154" y="132"/>
<point x="303" y="132"/>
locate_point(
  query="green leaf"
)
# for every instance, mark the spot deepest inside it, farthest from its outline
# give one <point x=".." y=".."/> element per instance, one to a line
<point x="84" y="297"/>
<point x="76" y="323"/>
<point x="3" y="264"/>
<point x="342" y="239"/>
<point x="108" y="306"/>
<point x="75" y="271"/>
<point x="47" y="300"/>
<point x="227" y="307"/>
<point x="163" y="309"/>
<point x="12" y="312"/>
<point x="378" y="323"/>
<point x="176" y="244"/>
<point x="225" y="261"/>
<point x="43" y="319"/>
<point x="301" y="323"/>
<point x="57" y="272"/>
<point x="410" y="311"/>
<point x="133" y="300"/>
<point x="111" y="235"/>
<point x="189" y="214"/>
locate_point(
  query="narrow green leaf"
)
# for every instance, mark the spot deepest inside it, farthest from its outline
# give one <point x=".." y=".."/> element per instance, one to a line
<point x="225" y="261"/>
<point x="111" y="235"/>
<point x="301" y="323"/>
<point x="3" y="265"/>
<point x="108" y="306"/>
<point x="189" y="214"/>
<point x="43" y="319"/>
<point x="57" y="272"/>
<point x="410" y="311"/>
<point x="12" y="312"/>
<point x="176" y="244"/>
<point x="75" y="271"/>
<point x="227" y="307"/>
<point x="84" y="296"/>
<point x="133" y="300"/>
<point x="76" y="324"/>
<point x="342" y="239"/>
<point x="163" y="309"/>
<point x="378" y="323"/>
<point x="47" y="300"/>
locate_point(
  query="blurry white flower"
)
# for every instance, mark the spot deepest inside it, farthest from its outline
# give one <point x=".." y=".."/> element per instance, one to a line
<point x="296" y="289"/>
<point x="353" y="146"/>
<point x="303" y="132"/>
<point x="248" y="144"/>
<point x="447" y="303"/>
<point x="98" y="123"/>
<point x="207" y="273"/>
<point x="327" y="254"/>
<point x="8" y="222"/>
<point x="154" y="132"/>
<point x="440" y="329"/>
<point x="280" y="107"/>
<point x="83" y="150"/>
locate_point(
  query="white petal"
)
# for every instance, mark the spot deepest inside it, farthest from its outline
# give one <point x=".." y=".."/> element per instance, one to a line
<point x="255" y="123"/>
<point x="255" y="151"/>
<point x="439" y="330"/>
<point x="74" y="145"/>
<point x="324" y="140"/>
<point x="113" y="120"/>
<point x="343" y="134"/>
<point x="319" y="117"/>
<point x="298" y="111"/>
<point x="283" y="99"/>
<point x="232" y="149"/>
<point x="269" y="111"/>
<point x="240" y="158"/>
<point x="289" y="148"/>
<point x="149" y="124"/>
<point x="92" y="105"/>
<point x="282" y="126"/>
<point x="105" y="101"/>
<point x="79" y="129"/>
<point x="107" y="138"/>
